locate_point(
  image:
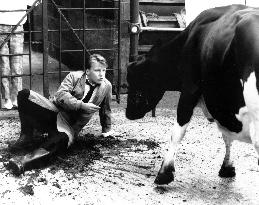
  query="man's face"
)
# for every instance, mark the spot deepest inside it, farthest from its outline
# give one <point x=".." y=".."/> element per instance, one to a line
<point x="96" y="73"/>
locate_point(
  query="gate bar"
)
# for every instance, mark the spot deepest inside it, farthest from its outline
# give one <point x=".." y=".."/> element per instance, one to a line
<point x="84" y="40"/>
<point x="30" y="47"/>
<point x="60" y="48"/>
<point x="134" y="10"/>
<point x="45" y="48"/>
<point x="119" y="54"/>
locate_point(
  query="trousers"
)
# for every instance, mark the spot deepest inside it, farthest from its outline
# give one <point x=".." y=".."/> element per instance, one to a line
<point x="11" y="65"/>
<point x="33" y="116"/>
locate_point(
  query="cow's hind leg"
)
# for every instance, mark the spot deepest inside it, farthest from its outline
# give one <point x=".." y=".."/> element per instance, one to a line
<point x="227" y="168"/>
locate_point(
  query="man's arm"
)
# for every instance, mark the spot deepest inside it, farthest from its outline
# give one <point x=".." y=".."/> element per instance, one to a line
<point x="64" y="98"/>
<point x="105" y="111"/>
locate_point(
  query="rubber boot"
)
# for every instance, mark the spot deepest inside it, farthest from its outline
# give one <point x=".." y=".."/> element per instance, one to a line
<point x="18" y="165"/>
<point x="24" y="142"/>
<point x="57" y="142"/>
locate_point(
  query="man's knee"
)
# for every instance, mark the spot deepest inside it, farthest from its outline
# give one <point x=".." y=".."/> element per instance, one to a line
<point x="23" y="95"/>
<point x="22" y="101"/>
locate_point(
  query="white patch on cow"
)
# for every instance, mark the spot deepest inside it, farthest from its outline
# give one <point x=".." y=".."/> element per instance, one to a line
<point x="251" y="96"/>
<point x="178" y="133"/>
<point x="244" y="135"/>
<point x="252" y="102"/>
<point x="244" y="117"/>
<point x="176" y="138"/>
<point x="248" y="115"/>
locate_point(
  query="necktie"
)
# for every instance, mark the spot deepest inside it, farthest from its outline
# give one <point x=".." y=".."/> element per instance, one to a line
<point x="90" y="92"/>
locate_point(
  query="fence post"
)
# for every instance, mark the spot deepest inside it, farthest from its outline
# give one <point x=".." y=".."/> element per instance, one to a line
<point x="45" y="47"/>
<point x="134" y="29"/>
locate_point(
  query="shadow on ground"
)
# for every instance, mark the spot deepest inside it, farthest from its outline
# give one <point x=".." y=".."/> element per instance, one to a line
<point x="83" y="152"/>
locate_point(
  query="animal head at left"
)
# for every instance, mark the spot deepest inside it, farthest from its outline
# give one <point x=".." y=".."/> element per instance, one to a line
<point x="144" y="88"/>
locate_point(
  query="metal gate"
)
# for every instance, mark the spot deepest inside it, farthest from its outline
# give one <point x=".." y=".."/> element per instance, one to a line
<point x="59" y="35"/>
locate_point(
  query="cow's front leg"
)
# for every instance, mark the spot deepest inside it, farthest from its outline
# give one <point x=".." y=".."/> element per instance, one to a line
<point x="166" y="172"/>
<point x="187" y="102"/>
<point x="227" y="168"/>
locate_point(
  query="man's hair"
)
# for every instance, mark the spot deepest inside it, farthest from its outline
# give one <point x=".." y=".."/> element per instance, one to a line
<point x="97" y="58"/>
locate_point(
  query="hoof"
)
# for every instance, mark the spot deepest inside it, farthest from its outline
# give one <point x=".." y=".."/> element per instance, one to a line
<point x="227" y="172"/>
<point x="164" y="178"/>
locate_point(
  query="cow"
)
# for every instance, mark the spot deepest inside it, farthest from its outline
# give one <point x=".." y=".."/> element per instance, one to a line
<point x="215" y="60"/>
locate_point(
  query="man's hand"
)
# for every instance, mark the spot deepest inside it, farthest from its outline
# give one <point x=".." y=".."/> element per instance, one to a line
<point x="89" y="107"/>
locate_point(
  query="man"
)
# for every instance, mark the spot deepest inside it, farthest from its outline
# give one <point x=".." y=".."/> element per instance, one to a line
<point x="79" y="96"/>
<point x="11" y="60"/>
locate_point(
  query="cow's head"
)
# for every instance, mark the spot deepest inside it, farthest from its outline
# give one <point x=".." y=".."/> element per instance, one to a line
<point x="144" y="87"/>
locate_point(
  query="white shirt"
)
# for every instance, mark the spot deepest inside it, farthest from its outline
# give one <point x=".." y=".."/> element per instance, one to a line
<point x="12" y="18"/>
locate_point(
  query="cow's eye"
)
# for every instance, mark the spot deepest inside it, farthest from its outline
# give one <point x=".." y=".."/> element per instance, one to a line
<point x="139" y="94"/>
